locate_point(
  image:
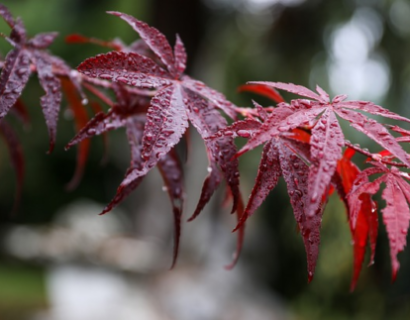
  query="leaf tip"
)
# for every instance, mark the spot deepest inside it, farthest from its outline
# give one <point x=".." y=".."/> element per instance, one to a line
<point x="310" y="276"/>
<point x="352" y="286"/>
<point x="114" y="13"/>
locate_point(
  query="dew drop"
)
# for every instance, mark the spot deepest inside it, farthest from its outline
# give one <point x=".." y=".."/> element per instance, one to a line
<point x="313" y="198"/>
<point x="209" y="169"/>
<point x="122" y="79"/>
<point x="167" y="133"/>
<point x="21" y="71"/>
<point x="84" y="101"/>
<point x="106" y="76"/>
<point x="243" y="133"/>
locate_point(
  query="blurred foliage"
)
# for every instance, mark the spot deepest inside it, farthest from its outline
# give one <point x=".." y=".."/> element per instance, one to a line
<point x="22" y="290"/>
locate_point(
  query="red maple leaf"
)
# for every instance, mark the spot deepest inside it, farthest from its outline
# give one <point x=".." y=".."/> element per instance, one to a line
<point x="327" y="138"/>
<point x="130" y="112"/>
<point x="286" y="154"/>
<point x="177" y="100"/>
<point x="365" y="229"/>
<point x="30" y="55"/>
<point x="396" y="214"/>
<point x="17" y="69"/>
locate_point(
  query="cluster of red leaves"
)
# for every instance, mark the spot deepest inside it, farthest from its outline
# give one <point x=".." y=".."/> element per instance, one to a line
<point x="303" y="142"/>
<point x="155" y="102"/>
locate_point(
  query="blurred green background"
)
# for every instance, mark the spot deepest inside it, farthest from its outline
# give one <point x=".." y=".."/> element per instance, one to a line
<point x="357" y="47"/>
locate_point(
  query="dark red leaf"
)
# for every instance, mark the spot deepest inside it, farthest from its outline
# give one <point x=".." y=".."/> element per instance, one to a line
<point x="261" y="112"/>
<point x="372" y="108"/>
<point x="209" y="186"/>
<point x="131" y="181"/>
<point x="6" y="15"/>
<point x="262" y="90"/>
<point x="269" y="172"/>
<point x="326" y="149"/>
<point x="13" y="79"/>
<point x="360" y="236"/>
<point x="50" y="102"/>
<point x="375" y="131"/>
<point x="135" y="129"/>
<point x="167" y="121"/>
<point x="323" y="94"/>
<point x="129" y="68"/>
<point x="290" y="87"/>
<point x="217" y="98"/>
<point x="180" y="57"/>
<point x="240" y="235"/>
<point x="295" y="172"/>
<point x="396" y="216"/>
<point x="78" y="38"/>
<point x="153" y="38"/>
<point x="366" y="225"/>
<point x="220" y="150"/>
<point x="360" y="186"/>
<point x="278" y="123"/>
<point x="100" y="123"/>
<point x="171" y="172"/>
<point x="42" y="40"/>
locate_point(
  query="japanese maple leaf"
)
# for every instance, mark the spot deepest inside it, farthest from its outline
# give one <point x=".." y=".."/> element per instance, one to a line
<point x="286" y="154"/>
<point x="177" y="101"/>
<point x="396" y="213"/>
<point x="129" y="112"/>
<point x="17" y="69"/>
<point x="365" y="229"/>
<point x="327" y="138"/>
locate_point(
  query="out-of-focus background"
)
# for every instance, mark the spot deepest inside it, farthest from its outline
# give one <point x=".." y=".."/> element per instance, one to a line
<point x="60" y="261"/>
